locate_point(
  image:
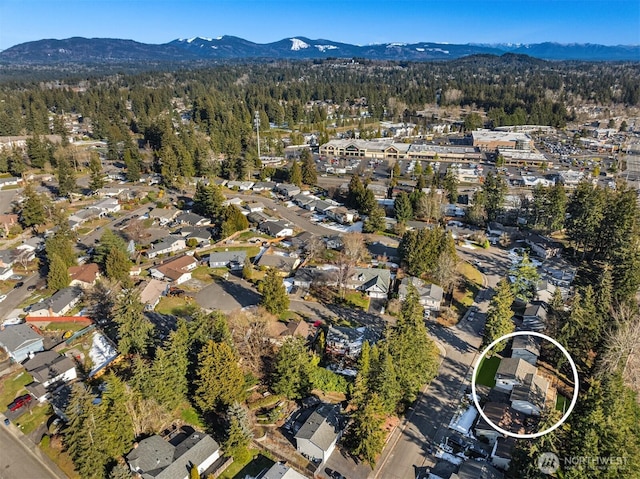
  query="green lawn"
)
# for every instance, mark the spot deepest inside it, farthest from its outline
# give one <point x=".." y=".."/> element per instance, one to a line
<point x="561" y="403"/>
<point x="66" y="326"/>
<point x="32" y="418"/>
<point x="175" y="306"/>
<point x="357" y="300"/>
<point x="251" y="250"/>
<point x="255" y="464"/>
<point x="247" y="235"/>
<point x="189" y="415"/>
<point x="470" y="272"/>
<point x="205" y="274"/>
<point x="61" y="458"/>
<point x="487" y="371"/>
<point x="13" y="386"/>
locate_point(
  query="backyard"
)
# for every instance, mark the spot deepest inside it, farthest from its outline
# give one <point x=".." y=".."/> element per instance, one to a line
<point x="256" y="462"/>
<point x="487" y="371"/>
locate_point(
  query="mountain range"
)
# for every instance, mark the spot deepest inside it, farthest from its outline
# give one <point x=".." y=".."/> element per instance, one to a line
<point x="90" y="50"/>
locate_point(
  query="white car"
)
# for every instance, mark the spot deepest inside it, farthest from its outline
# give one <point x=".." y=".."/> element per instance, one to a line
<point x="12" y="321"/>
<point x="3" y="297"/>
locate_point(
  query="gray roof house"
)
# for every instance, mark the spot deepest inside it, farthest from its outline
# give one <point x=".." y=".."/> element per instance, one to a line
<point x="192" y="219"/>
<point x="58" y="304"/>
<point x="535" y="316"/>
<point x="373" y="281"/>
<point x="172" y="457"/>
<point x="169" y="244"/>
<point x="430" y="294"/>
<point x="282" y="261"/>
<point x="530" y="396"/>
<point x="48" y="369"/>
<point x="19" y="341"/>
<point x="281" y="471"/>
<point x="288" y="190"/>
<point x="277" y="229"/>
<point x="163" y="215"/>
<point x="317" y="437"/>
<point x="233" y="260"/>
<point x="472" y="469"/>
<point x="344" y="341"/>
<point x="512" y="372"/>
<point x="527" y="348"/>
<point x="200" y="233"/>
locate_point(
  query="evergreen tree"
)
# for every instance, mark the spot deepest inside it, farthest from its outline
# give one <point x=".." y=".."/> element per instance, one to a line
<point x="239" y="433"/>
<point x="309" y="171"/>
<point x="220" y="380"/>
<point x="109" y="241"/>
<point x="208" y="200"/>
<point x="295" y="174"/>
<point x="274" y="294"/>
<point x="115" y="425"/>
<point x="366" y="436"/>
<point x="450" y="185"/>
<point x="355" y="193"/>
<point x="58" y="275"/>
<point x="96" y="176"/>
<point x="499" y="316"/>
<point x="384" y="381"/>
<point x="66" y="177"/>
<point x="415" y="355"/>
<point x="117" y="265"/>
<point x="61" y="245"/>
<point x="292" y="370"/>
<point x="234" y="221"/>
<point x="32" y="212"/>
<point x="494" y="189"/>
<point x="171" y="366"/>
<point x="132" y="164"/>
<point x="526" y="278"/>
<point x="402" y="207"/>
<point x="134" y="328"/>
<point x="120" y="471"/>
<point x="375" y="221"/>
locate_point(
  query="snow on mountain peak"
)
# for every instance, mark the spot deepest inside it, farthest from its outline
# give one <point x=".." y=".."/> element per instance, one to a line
<point x="322" y="48"/>
<point x="297" y="44"/>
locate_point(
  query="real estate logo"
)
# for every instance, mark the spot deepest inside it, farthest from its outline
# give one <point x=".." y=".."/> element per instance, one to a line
<point x="548" y="463"/>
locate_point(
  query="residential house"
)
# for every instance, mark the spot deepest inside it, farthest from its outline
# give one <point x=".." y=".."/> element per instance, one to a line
<point x="288" y="190"/>
<point x="151" y="293"/>
<point x="379" y="191"/>
<point x="545" y="290"/>
<point x="430" y="294"/>
<point x="301" y="240"/>
<point x="281" y="471"/>
<point x="317" y="437"/>
<point x="501" y="453"/>
<point x="33" y="245"/>
<point x="307" y="277"/>
<point x="169" y="244"/>
<point x="333" y="242"/>
<point x="342" y="215"/>
<point x="473" y="469"/>
<point x="176" y="270"/>
<point x="305" y="200"/>
<point x="277" y="229"/>
<point x="344" y="341"/>
<point x="110" y="192"/>
<point x="200" y="233"/>
<point x="527" y="348"/>
<point x="263" y="186"/>
<point x="192" y="219"/>
<point x="530" y="396"/>
<point x="48" y="369"/>
<point x="495" y="229"/>
<point x="234" y="260"/>
<point x="254" y="207"/>
<point x="279" y="331"/>
<point x="19" y="341"/>
<point x="542" y="246"/>
<point x="501" y="415"/>
<point x="240" y="185"/>
<point x="82" y="216"/>
<point x="281" y="260"/>
<point x="7" y="221"/>
<point x="58" y="304"/>
<point x="535" y="316"/>
<point x="512" y="372"/>
<point x="373" y="281"/>
<point x="6" y="264"/>
<point x="173" y="457"/>
<point x="379" y="250"/>
<point x="233" y="201"/>
<point x="10" y="181"/>
<point x="259" y="217"/>
<point x="163" y="215"/>
<point x="106" y="206"/>
<point x="84" y="275"/>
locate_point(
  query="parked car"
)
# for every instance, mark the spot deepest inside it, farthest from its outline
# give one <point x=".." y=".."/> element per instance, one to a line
<point x="31" y="288"/>
<point x="19" y="284"/>
<point x="3" y="297"/>
<point x="20" y="402"/>
<point x="12" y="321"/>
<point x="15" y="277"/>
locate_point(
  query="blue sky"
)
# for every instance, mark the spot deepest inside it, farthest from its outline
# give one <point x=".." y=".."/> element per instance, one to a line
<point x="609" y="22"/>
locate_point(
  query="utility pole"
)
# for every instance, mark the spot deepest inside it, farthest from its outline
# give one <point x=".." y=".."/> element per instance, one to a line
<point x="256" y="122"/>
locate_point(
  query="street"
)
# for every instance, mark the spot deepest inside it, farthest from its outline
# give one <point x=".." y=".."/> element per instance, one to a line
<point x="427" y="422"/>
<point x="21" y="458"/>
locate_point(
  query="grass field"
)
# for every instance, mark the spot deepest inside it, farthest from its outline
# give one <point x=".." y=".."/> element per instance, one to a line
<point x="487" y="371"/>
<point x="252" y="467"/>
<point x="357" y="300"/>
<point x="13" y="386"/>
<point x="61" y="458"/>
<point x="470" y="272"/>
<point x="188" y="414"/>
<point x="205" y="274"/>
<point x="175" y="306"/>
<point x="32" y="418"/>
<point x="561" y="403"/>
<point x="66" y="326"/>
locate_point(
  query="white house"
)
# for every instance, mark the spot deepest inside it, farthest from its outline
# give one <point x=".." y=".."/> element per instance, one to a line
<point x="317" y="437"/>
<point x="176" y="270"/>
<point x="512" y="372"/>
<point x="48" y="368"/>
<point x="19" y="341"/>
<point x="169" y="244"/>
<point x="430" y="294"/>
<point x="106" y="206"/>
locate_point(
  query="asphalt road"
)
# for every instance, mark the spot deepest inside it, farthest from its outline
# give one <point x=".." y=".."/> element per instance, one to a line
<point x="17" y="296"/>
<point x="22" y="459"/>
<point x="426" y="424"/>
